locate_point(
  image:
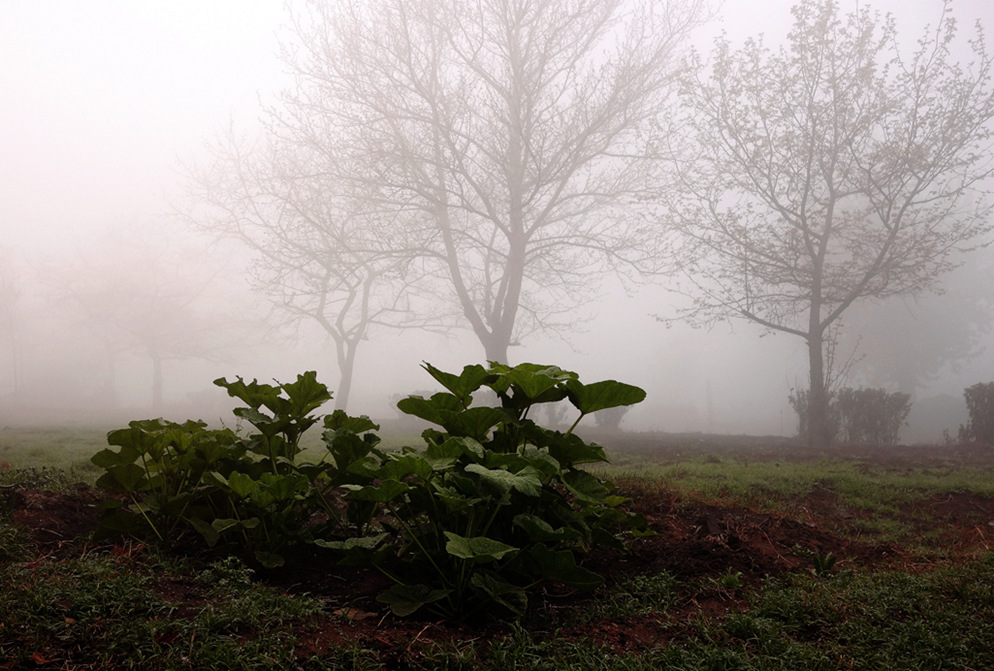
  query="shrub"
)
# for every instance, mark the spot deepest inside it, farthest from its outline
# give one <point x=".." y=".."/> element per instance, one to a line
<point x="494" y="504"/>
<point x="491" y="506"/>
<point x="980" y="406"/>
<point x="248" y="494"/>
<point x="859" y="415"/>
<point x="872" y="415"/>
<point x="798" y="399"/>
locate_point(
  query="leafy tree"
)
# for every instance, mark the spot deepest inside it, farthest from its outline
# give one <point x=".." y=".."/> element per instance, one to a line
<point x="504" y="133"/>
<point x="833" y="170"/>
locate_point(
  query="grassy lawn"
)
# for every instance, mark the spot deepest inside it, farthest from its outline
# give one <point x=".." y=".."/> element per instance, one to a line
<point x="927" y="604"/>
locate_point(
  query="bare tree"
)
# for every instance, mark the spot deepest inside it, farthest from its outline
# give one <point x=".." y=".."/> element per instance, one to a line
<point x="833" y="170"/>
<point x="505" y="133"/>
<point x="135" y="293"/>
<point x="320" y="252"/>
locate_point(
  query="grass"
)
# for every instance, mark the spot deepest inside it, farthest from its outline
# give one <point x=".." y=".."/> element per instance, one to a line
<point x="69" y="448"/>
<point x="132" y="607"/>
<point x="63" y="448"/>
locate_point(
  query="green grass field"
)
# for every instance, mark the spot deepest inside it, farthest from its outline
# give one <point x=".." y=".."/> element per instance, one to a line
<point x="132" y="606"/>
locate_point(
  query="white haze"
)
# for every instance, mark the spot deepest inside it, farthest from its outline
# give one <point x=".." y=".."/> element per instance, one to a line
<point x="98" y="102"/>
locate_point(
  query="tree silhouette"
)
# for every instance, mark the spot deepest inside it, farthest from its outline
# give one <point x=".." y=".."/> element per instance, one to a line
<point x="833" y="170"/>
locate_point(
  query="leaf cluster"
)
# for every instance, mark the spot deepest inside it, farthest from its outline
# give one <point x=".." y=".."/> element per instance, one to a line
<point x="490" y="506"/>
<point x="494" y="504"/>
<point x="246" y="494"/>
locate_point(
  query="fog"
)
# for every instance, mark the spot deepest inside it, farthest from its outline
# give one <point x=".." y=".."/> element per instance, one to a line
<point x="112" y="308"/>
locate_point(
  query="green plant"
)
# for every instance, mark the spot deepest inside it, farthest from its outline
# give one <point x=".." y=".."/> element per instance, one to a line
<point x="250" y="493"/>
<point x="823" y="563"/>
<point x="872" y="415"/>
<point x="980" y="404"/>
<point x="494" y="504"/>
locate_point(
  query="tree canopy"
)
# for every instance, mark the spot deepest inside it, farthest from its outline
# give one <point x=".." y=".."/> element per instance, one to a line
<point x="834" y="169"/>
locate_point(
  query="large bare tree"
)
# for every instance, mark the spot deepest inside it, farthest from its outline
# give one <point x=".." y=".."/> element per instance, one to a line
<point x="836" y="169"/>
<point x="505" y="133"/>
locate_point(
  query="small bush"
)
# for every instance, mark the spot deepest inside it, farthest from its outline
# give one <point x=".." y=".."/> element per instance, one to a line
<point x="860" y="415"/>
<point x="872" y="415"/>
<point x="799" y="402"/>
<point x="980" y="405"/>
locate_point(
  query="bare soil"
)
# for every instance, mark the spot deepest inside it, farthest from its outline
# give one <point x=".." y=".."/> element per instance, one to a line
<point x="699" y="543"/>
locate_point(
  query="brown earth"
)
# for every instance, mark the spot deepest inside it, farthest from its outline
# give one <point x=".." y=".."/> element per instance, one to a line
<point x="697" y="542"/>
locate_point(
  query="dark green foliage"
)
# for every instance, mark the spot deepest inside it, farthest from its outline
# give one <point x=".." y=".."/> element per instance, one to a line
<point x="980" y="405"/>
<point x="250" y="493"/>
<point x="798" y="399"/>
<point x="872" y="415"/>
<point x="490" y="506"/>
<point x="494" y="504"/>
<point x="860" y="415"/>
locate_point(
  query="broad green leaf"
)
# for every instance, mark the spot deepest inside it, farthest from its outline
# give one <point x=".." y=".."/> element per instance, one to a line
<point x="463" y="385"/>
<point x="585" y="486"/>
<point x="362" y="551"/>
<point x="479" y="549"/>
<point x="406" y="599"/>
<point x="387" y="491"/>
<point x="596" y="396"/>
<point x="123" y="478"/>
<point x="284" y="487"/>
<point x="398" y="467"/>
<point x="253" y="393"/>
<point x="107" y="458"/>
<point x="561" y="566"/>
<point x="434" y="409"/>
<point x="339" y="420"/>
<point x="206" y="530"/>
<point x="221" y="525"/>
<point x="510" y="596"/>
<point x="474" y="423"/>
<point x="305" y="394"/>
<point x="452" y="450"/>
<point x="240" y="483"/>
<point x="269" y="559"/>
<point x="526" y="481"/>
<point x="453" y="500"/>
<point x="570" y="450"/>
<point x="541" y="461"/>
<point x="536" y="381"/>
<point x="540" y="531"/>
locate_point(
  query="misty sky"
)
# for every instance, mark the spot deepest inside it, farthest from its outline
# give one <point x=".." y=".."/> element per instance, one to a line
<point x="99" y="99"/>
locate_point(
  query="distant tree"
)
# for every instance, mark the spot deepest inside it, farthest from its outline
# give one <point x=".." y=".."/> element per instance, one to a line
<point x="509" y="131"/>
<point x="909" y="341"/>
<point x="833" y="170"/>
<point x="320" y="253"/>
<point x="135" y="293"/>
<point x="10" y="296"/>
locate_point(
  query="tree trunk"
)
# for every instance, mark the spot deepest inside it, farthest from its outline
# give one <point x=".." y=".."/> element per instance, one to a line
<point x="346" y="352"/>
<point x="820" y="430"/>
<point x="156" y="381"/>
<point x="495" y="348"/>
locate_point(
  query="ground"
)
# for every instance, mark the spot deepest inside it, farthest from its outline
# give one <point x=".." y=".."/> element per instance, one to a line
<point x="714" y="551"/>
